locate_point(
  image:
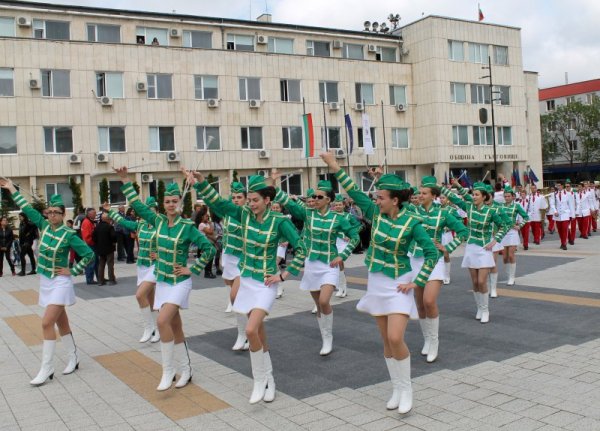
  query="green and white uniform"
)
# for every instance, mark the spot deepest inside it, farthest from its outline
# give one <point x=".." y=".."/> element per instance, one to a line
<point x="518" y="218"/>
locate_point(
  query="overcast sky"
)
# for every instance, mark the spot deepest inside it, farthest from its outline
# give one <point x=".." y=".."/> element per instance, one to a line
<point x="558" y="36"/>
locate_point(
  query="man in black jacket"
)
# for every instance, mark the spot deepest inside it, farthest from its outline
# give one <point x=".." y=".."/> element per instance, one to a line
<point x="28" y="233"/>
<point x="105" y="238"/>
<point x="6" y="239"/>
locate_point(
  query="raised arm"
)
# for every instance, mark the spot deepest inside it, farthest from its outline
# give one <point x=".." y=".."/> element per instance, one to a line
<point x="296" y="209"/>
<point x="119" y="219"/>
<point x="454" y="199"/>
<point x="213" y="199"/>
<point x="134" y="200"/>
<point x="25" y="206"/>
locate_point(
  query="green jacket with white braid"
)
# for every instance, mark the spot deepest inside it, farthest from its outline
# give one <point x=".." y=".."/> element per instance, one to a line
<point x="146" y="237"/>
<point x="55" y="243"/>
<point x="512" y="211"/>
<point x="321" y="230"/>
<point x="391" y="238"/>
<point x="260" y="239"/>
<point x="172" y="242"/>
<point x="435" y="221"/>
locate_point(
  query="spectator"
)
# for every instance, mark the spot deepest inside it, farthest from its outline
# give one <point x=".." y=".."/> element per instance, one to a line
<point x="120" y="232"/>
<point x="87" y="234"/>
<point x="105" y="238"/>
<point x="155" y="42"/>
<point x="218" y="242"/>
<point x="130" y="237"/>
<point x="6" y="239"/>
<point x="27" y="235"/>
<point x="206" y="228"/>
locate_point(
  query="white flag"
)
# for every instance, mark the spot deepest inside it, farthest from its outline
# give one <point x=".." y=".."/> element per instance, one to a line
<point x="366" y="131"/>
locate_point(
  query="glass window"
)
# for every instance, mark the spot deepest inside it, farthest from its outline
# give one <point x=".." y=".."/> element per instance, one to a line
<point x="206" y="87"/>
<point x="401" y="173"/>
<point x="460" y="135"/>
<point x="290" y="90"/>
<point x="501" y="95"/>
<point x="197" y="39"/>
<point x="58" y="140"/>
<point x="480" y="94"/>
<point x="162" y="139"/>
<point x="8" y="140"/>
<point x="55" y="30"/>
<point x="208" y="138"/>
<point x="252" y="138"/>
<point x="331" y="137"/>
<point x="280" y="45"/>
<point x="360" y="137"/>
<point x="62" y="189"/>
<point x="240" y="42"/>
<point x="249" y="88"/>
<point x="501" y="55"/>
<point x="399" y="137"/>
<point x="353" y="51"/>
<point x="458" y="92"/>
<point x="292" y="185"/>
<point x="56" y="83"/>
<point x="328" y="91"/>
<point x="364" y="93"/>
<point x="456" y="50"/>
<point x="292" y="138"/>
<point x="7" y="83"/>
<point x="115" y="195"/>
<point x="111" y="140"/>
<point x="385" y="54"/>
<point x="365" y="181"/>
<point x="147" y="36"/>
<point x="159" y="86"/>
<point x="397" y="94"/>
<point x="482" y="135"/>
<point x="504" y="135"/>
<point x="104" y="33"/>
<point x="478" y="53"/>
<point x="318" y="49"/>
<point x="109" y="84"/>
<point x="550" y="105"/>
<point x="7" y="26"/>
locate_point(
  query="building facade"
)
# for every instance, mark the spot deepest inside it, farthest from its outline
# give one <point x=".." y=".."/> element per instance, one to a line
<point x="84" y="89"/>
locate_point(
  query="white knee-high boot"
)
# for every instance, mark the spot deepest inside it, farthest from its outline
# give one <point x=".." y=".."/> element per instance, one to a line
<point x="447" y="267"/>
<point x="404" y="385"/>
<point x="257" y="360"/>
<point x="394" y="400"/>
<point x="477" y="297"/>
<point x="424" y="323"/>
<point x="434" y="343"/>
<point x="512" y="269"/>
<point x="342" y="286"/>
<point x="47" y="369"/>
<point x="156" y="336"/>
<point x="229" y="306"/>
<point x="485" y="310"/>
<point x="493" y="284"/>
<point x="71" y="348"/>
<point x="149" y="325"/>
<point x="270" y="391"/>
<point x="326" y="327"/>
<point x="185" y="364"/>
<point x="168" y="375"/>
<point x="241" y="343"/>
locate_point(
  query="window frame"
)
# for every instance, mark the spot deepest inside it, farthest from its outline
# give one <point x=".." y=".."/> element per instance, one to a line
<point x="501" y="138"/>
<point x="483" y="59"/>
<point x="550" y="105"/>
<point x="54" y="129"/>
<point x="485" y="88"/>
<point x="311" y="48"/>
<point x="203" y="87"/>
<point x="359" y="91"/>
<point x="95" y="26"/>
<point x="12" y="81"/>
<point x="108" y="143"/>
<point x="486" y="132"/>
<point x="286" y="131"/>
<point x="272" y="45"/>
<point x="247" y="87"/>
<point x="203" y="130"/>
<point x="189" y="33"/>
<point x="15" y="141"/>
<point x="456" y="135"/>
<point x="284" y="90"/>
<point x="158" y="130"/>
<point x="379" y="54"/>
<point x="359" y="140"/>
<point x="324" y="95"/>
<point x="14" y="25"/>
<point x="147" y="41"/>
<point x="393" y="101"/>
<point x="346" y="51"/>
<point x="330" y="131"/>
<point x="451" y="50"/>
<point x="105" y="80"/>
<point x="248" y="129"/>
<point x="51" y="83"/>
<point x="62" y="193"/>
<point x="495" y="52"/>
<point x="155" y="86"/>
<point x="453" y="92"/>
<point x="286" y="185"/>
<point x="235" y="43"/>
<point x="395" y="135"/>
<point x="44" y="29"/>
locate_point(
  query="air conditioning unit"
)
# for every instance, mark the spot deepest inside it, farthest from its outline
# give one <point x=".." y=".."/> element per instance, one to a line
<point x="340" y="154"/>
<point x="337" y="44"/>
<point x="264" y="154"/>
<point x="334" y="106"/>
<point x="261" y="39"/>
<point x="34" y="83"/>
<point x="140" y="86"/>
<point x="213" y="103"/>
<point x="147" y="178"/>
<point x="102" y="158"/>
<point x="372" y="48"/>
<point x="175" y="32"/>
<point x="400" y="107"/>
<point x="255" y="104"/>
<point x="262" y="173"/>
<point x="359" y="107"/>
<point x="106" y="101"/>
<point x="74" y="158"/>
<point x="23" y="21"/>
<point x="172" y="157"/>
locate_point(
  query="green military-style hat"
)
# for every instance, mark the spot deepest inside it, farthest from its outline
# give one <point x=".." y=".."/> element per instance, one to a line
<point x="237" y="187"/>
<point x="151" y="202"/>
<point x="489" y="188"/>
<point x="310" y="192"/>
<point x="415" y="189"/>
<point x="339" y="197"/>
<point x="567" y="181"/>
<point x="508" y="189"/>
<point x="482" y="187"/>
<point x="56" y="201"/>
<point x="172" y="190"/>
<point x="429" y="181"/>
<point x="391" y="182"/>
<point x="324" y="186"/>
<point x="256" y="183"/>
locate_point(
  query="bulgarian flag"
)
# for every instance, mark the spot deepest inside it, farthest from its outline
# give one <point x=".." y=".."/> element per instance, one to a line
<point x="309" y="136"/>
<point x="481" y="17"/>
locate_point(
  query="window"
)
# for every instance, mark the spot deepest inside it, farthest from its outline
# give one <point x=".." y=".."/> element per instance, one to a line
<point x="456" y="50"/>
<point x="573" y="145"/>
<point x="550" y="105"/>
<point x="146" y="36"/>
<point x="501" y="55"/>
<point x="360" y="137"/>
<point x="504" y="135"/>
<point x="115" y="195"/>
<point x="478" y="53"/>
<point x="482" y="135"/>
<point x="328" y="91"/>
<point x="249" y="88"/>
<point x="7" y="83"/>
<point x="109" y="84"/>
<point x="589" y="98"/>
<point x="58" y="140"/>
<point x="56" y="83"/>
<point x="197" y="39"/>
<point x="153" y="189"/>
<point x="208" y="138"/>
<point x="460" y="135"/>
<point x="400" y="138"/>
<point x="365" y="181"/>
<point x="104" y="33"/>
<point x="385" y="54"/>
<point x="240" y="42"/>
<point x="55" y="30"/>
<point x="8" y="140"/>
<point x="331" y="137"/>
<point x="292" y="185"/>
<point x="252" y="138"/>
<point x="318" y="49"/>
<point x="570" y="100"/>
<point x="162" y="139"/>
<point x="159" y="86"/>
<point x="280" y="45"/>
<point x="353" y="51"/>
<point x="364" y="93"/>
<point x="397" y="94"/>
<point x="7" y="27"/>
<point x="480" y="93"/>
<point x="401" y="174"/>
<point x="111" y="140"/>
<point x="292" y="138"/>
<point x="458" y="92"/>
<point x="290" y="90"/>
<point x="62" y="189"/>
<point x="333" y="180"/>
<point x="501" y="95"/>
<point x="206" y="87"/>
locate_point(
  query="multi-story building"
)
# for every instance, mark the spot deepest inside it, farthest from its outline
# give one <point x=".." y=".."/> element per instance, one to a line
<point x="84" y="89"/>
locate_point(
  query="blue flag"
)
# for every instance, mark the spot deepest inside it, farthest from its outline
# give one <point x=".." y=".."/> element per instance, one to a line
<point x="532" y="176"/>
<point x="445" y="177"/>
<point x="350" y="134"/>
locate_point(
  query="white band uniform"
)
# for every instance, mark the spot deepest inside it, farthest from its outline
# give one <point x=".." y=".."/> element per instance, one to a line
<point x="382" y="297"/>
<point x="231" y="271"/>
<point x="511" y="238"/>
<point x="477" y="257"/>
<point x="317" y="274"/>
<point x="254" y="294"/>
<point x="56" y="291"/>
<point x="438" y="270"/>
<point x="178" y="294"/>
<point x="145" y="274"/>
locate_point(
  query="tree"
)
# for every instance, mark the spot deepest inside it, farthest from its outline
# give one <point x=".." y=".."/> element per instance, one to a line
<point x="77" y="201"/>
<point x="38" y="203"/>
<point x="161" y="196"/>
<point x="235" y="176"/>
<point x="187" y="202"/>
<point x="104" y="191"/>
<point x="6" y="205"/>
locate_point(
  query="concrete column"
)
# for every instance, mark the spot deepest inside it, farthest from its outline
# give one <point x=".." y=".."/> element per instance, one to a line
<point x="441" y="171"/>
<point x="87" y="191"/>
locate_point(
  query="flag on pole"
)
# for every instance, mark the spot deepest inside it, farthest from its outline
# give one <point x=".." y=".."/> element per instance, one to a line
<point x="350" y="134"/>
<point x="309" y="136"/>
<point x="445" y="177"/>
<point x="513" y="178"/>
<point x="367" y="139"/>
<point x="481" y="17"/>
<point x="532" y="176"/>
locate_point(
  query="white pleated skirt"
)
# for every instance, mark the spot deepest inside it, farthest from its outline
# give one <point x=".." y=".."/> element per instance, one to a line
<point x="231" y="270"/>
<point x="254" y="294"/>
<point x="511" y="238"/>
<point x="145" y="274"/>
<point x="317" y="274"/>
<point x="477" y="257"/>
<point x="178" y="294"/>
<point x="382" y="297"/>
<point x="438" y="270"/>
<point x="497" y="247"/>
<point x="56" y="291"/>
<point x="341" y="244"/>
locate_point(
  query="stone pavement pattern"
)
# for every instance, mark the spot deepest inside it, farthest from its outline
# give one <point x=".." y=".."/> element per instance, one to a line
<point x="535" y="366"/>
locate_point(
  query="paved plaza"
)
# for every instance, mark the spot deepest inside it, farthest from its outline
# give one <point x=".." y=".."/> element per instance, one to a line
<point x="535" y="366"/>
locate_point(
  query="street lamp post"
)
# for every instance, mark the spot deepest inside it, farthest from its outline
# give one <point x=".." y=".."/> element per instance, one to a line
<point x="492" y="100"/>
